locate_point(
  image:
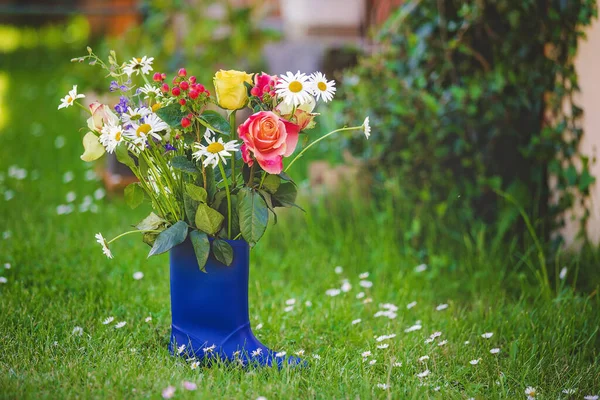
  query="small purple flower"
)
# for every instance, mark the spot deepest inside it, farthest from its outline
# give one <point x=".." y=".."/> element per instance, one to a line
<point x="121" y="107"/>
<point x="169" y="147"/>
<point x="114" y="86"/>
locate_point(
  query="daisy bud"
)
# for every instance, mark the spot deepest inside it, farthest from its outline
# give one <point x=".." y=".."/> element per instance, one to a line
<point x="185" y="122"/>
<point x="182" y="72"/>
<point x="164" y="88"/>
<point x="157" y="77"/>
<point x="176" y="91"/>
<point x="184" y="85"/>
<point x="194" y="94"/>
<point x="182" y="102"/>
<point x="192" y="79"/>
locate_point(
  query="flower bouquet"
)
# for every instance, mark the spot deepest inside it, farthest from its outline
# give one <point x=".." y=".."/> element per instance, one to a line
<point x="212" y="185"/>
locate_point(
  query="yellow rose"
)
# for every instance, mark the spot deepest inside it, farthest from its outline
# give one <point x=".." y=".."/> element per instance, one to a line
<point x="230" y="89"/>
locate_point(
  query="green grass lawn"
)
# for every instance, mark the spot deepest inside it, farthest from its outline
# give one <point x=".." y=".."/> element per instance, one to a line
<point x="59" y="280"/>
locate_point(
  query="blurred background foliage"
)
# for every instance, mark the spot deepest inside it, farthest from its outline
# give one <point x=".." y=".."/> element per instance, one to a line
<point x="469" y="98"/>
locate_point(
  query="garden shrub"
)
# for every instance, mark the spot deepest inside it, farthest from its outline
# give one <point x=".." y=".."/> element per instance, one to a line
<point x="466" y="98"/>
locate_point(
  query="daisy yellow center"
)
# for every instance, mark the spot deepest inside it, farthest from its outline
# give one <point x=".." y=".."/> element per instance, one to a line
<point x="215" y="148"/>
<point x="322" y="86"/>
<point x="155" y="107"/>
<point x="118" y="136"/>
<point x="143" y="128"/>
<point x="295" y="87"/>
<point x="69" y="99"/>
<point x="139" y="60"/>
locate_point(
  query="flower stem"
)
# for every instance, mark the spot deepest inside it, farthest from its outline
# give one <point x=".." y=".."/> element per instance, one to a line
<point x="228" y="199"/>
<point x="318" y="140"/>
<point x="233" y="131"/>
<point x="129" y="232"/>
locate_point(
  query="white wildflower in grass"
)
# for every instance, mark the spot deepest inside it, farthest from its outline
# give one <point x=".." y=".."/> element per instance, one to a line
<point x="436" y="335"/>
<point x="300" y="352"/>
<point x="308" y="303"/>
<point x="77" y="331"/>
<point x="364" y="275"/>
<point x="209" y="349"/>
<point x="70" y="98"/>
<point x="495" y="351"/>
<point x="148" y="319"/>
<point x="100" y="239"/>
<point x="346" y="287"/>
<point x="214" y="151"/>
<point x="259" y="326"/>
<point x="441" y="307"/>
<point x="288" y="308"/>
<point x="180" y="349"/>
<point x="120" y="325"/>
<point x="90" y="175"/>
<point x="421" y="268"/>
<point x="99" y="194"/>
<point x="591" y="397"/>
<point x="385" y="337"/>
<point x="531" y="392"/>
<point x="189" y="385"/>
<point x="366" y="128"/>
<point x="68" y="177"/>
<point x="383" y="386"/>
<point x="436" y="389"/>
<point x="423" y="358"/>
<point x="442" y="343"/>
<point x="256" y="352"/>
<point x="360" y="295"/>
<point x="474" y="362"/>
<point x="338" y="270"/>
<point x="168" y="392"/>
<point x="9" y="195"/>
<point x="569" y="391"/>
<point x="356" y="321"/>
<point x="112" y="135"/>
<point x="3" y="279"/>
<point x="366" y="354"/>
<point x="487" y="335"/>
<point x="290" y="302"/>
<point x="372" y="362"/>
<point x="366" y="284"/>
<point x="383" y="346"/>
<point x="413" y="328"/>
<point x="367" y="300"/>
<point x="397" y="364"/>
<point x="411" y="305"/>
<point x="321" y="87"/>
<point x="280" y="354"/>
<point x="333" y="292"/>
<point x="6" y="265"/>
<point x="70" y="197"/>
<point x="108" y="320"/>
<point x="316" y="356"/>
<point x="6" y="235"/>
<point x="430" y="340"/>
<point x="138" y="275"/>
<point x="195" y="365"/>
<point x="563" y="273"/>
<point x="424" y="374"/>
<point x="64" y="209"/>
<point x="137" y="65"/>
<point x="294" y="89"/>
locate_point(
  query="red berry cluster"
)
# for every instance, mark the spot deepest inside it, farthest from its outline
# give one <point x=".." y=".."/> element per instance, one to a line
<point x="184" y="89"/>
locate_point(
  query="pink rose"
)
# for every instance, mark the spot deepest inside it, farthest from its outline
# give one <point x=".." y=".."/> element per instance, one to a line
<point x="263" y="83"/>
<point x="269" y="138"/>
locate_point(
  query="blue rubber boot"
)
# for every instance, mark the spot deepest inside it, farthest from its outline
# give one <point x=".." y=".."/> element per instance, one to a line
<point x="210" y="310"/>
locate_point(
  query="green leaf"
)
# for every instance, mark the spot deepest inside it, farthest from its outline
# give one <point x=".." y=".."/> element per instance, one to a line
<point x="151" y="222"/>
<point x="169" y="238"/>
<point x="271" y="183"/>
<point x="208" y="219"/>
<point x="585" y="180"/>
<point x="171" y="114"/>
<point x="123" y="156"/>
<point x="215" y="121"/>
<point x="134" y="195"/>
<point x="222" y="251"/>
<point x="181" y="163"/>
<point x="196" y="192"/>
<point x="201" y="246"/>
<point x="254" y="215"/>
<point x="286" y="194"/>
<point x="143" y="165"/>
<point x="190" y="206"/>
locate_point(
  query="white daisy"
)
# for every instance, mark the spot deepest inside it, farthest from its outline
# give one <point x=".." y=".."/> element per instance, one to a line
<point x="442" y="343"/>
<point x="383" y="386"/>
<point x="413" y="328"/>
<point x="120" y="325"/>
<point x="383" y="346"/>
<point x="366" y="354"/>
<point x="372" y="362"/>
<point x="280" y="354"/>
<point x="300" y="352"/>
<point x="424" y="358"/>
<point x="495" y="351"/>
<point x="111" y="136"/>
<point x="136" y="65"/>
<point x="70" y="98"/>
<point x="108" y="320"/>
<point x="295" y="89"/>
<point x="385" y="337"/>
<point x="257" y="352"/>
<point x="209" y="349"/>
<point x="531" y="392"/>
<point x="356" y="321"/>
<point x="346" y="287"/>
<point x="424" y="374"/>
<point x="316" y="356"/>
<point x="397" y="364"/>
<point x="100" y="239"/>
<point x="321" y="87"/>
<point x="367" y="128"/>
<point x="441" y="307"/>
<point x="151" y="124"/>
<point x="569" y="391"/>
<point x="366" y="284"/>
<point x="591" y="397"/>
<point x="364" y="275"/>
<point x="134" y="116"/>
<point x="150" y="91"/>
<point x="180" y="349"/>
<point x="474" y="362"/>
<point x="290" y="302"/>
<point x="487" y="335"/>
<point x="215" y="150"/>
<point x="411" y="305"/>
<point x="148" y="319"/>
<point x="333" y="292"/>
